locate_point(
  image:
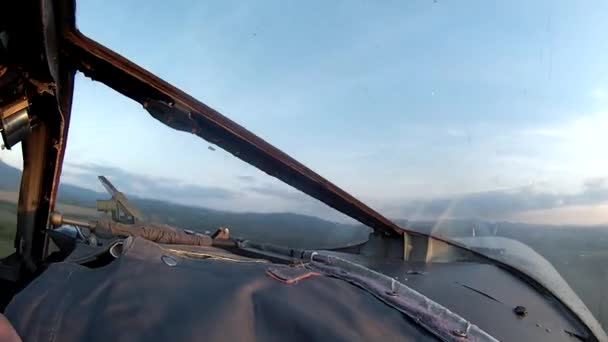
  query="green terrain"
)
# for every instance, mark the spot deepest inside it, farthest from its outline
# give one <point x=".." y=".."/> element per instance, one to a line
<point x="8" y="223"/>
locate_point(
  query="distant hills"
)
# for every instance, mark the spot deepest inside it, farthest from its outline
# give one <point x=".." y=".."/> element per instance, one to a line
<point x="279" y="228"/>
<point x="9" y="177"/>
<point x="314" y="232"/>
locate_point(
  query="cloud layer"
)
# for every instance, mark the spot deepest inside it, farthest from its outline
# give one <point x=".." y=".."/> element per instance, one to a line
<point x="511" y="204"/>
<point x="503" y="204"/>
<point x="142" y="185"/>
<point x="251" y="196"/>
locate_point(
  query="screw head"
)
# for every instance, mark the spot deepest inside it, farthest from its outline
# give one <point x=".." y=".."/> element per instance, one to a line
<point x="520" y="311"/>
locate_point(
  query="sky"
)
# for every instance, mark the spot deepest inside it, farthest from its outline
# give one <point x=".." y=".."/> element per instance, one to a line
<point x="422" y="108"/>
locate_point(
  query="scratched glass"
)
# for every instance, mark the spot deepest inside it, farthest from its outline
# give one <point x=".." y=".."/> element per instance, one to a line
<point x="464" y="119"/>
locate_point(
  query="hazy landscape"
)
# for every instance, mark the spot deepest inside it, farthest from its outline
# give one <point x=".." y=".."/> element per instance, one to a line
<point x="579" y="253"/>
<point x="278" y="228"/>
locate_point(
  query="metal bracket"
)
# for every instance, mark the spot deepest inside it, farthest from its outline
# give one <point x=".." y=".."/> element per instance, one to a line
<point x="14" y="122"/>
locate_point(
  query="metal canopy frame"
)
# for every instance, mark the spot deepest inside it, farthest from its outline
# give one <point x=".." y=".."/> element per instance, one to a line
<point x="181" y="111"/>
<point x="50" y="50"/>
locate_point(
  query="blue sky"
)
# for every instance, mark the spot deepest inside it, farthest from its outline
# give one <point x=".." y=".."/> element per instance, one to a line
<point x="398" y="102"/>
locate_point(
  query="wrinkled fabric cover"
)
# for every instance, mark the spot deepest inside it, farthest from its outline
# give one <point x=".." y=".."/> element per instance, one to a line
<point x="138" y="297"/>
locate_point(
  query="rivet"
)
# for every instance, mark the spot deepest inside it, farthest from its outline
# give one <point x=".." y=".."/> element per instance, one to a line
<point x="169" y="261"/>
<point x="520" y="311"/>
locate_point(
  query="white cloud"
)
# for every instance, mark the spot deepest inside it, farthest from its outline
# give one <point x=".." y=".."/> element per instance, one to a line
<point x="575" y="148"/>
<point x="546" y="132"/>
<point x="578" y="215"/>
<point x="599" y="93"/>
<point x="13" y="157"/>
<point x="457" y="133"/>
